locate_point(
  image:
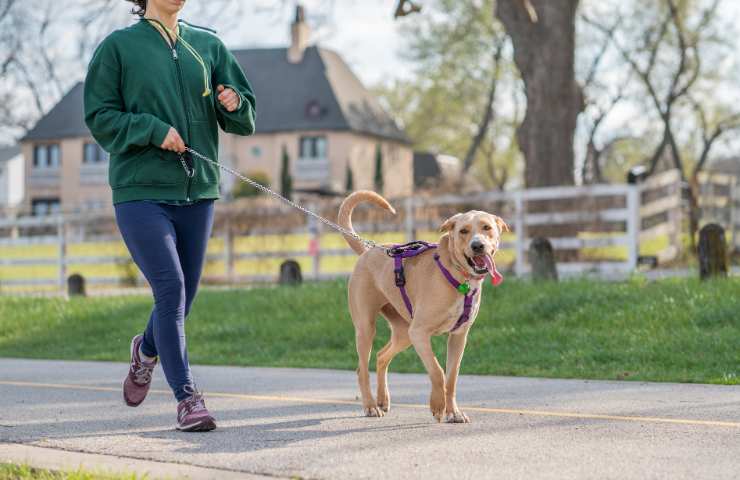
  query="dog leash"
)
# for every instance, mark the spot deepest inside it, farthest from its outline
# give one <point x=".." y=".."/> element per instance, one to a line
<point x="191" y="171"/>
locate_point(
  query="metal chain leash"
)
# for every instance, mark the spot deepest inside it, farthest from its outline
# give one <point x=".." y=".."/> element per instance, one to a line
<point x="368" y="243"/>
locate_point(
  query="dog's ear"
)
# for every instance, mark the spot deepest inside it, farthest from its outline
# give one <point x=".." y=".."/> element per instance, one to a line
<point x="502" y="226"/>
<point x="449" y="224"/>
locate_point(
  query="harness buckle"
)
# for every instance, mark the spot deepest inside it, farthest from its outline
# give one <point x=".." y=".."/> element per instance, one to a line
<point x="400" y="277"/>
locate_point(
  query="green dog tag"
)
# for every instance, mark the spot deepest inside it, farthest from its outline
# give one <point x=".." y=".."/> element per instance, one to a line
<point x="463" y="288"/>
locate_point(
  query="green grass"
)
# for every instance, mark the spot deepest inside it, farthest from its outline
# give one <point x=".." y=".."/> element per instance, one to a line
<point x="10" y="471"/>
<point x="673" y="330"/>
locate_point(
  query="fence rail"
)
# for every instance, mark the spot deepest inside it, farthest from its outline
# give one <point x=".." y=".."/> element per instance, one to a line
<point x="605" y="227"/>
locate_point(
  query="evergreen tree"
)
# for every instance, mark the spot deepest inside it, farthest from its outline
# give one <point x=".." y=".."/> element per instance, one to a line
<point x="378" y="169"/>
<point x="286" y="181"/>
<point x="350" y="180"/>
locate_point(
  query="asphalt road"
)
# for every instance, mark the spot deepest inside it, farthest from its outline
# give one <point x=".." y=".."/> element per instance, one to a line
<point x="308" y="423"/>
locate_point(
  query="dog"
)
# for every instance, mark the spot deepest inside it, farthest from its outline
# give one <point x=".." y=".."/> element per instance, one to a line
<point x="466" y="249"/>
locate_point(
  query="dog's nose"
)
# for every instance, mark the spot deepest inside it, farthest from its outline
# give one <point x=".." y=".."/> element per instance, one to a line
<point x="477" y="246"/>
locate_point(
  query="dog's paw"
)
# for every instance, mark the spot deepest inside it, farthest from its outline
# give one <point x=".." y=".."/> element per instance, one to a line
<point x="384" y="401"/>
<point x="437" y="405"/>
<point x="374" y="412"/>
<point x="456" y="417"/>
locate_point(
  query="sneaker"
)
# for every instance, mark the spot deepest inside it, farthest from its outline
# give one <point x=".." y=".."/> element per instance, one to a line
<point x="192" y="414"/>
<point x="139" y="377"/>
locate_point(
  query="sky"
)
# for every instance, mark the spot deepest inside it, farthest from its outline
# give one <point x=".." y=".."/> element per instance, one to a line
<point x="362" y="31"/>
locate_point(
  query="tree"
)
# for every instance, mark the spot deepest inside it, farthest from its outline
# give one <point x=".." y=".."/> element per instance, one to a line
<point x="463" y="99"/>
<point x="673" y="47"/>
<point x="286" y="180"/>
<point x="543" y="35"/>
<point x="378" y="169"/>
<point x="349" y="185"/>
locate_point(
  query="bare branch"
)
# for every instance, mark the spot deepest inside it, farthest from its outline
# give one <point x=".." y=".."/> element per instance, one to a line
<point x="406" y="7"/>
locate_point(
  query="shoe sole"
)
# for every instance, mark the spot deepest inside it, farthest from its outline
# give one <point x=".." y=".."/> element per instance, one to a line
<point x="205" y="425"/>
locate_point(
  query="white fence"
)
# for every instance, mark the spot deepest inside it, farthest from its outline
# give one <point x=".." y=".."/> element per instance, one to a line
<point x="606" y="229"/>
<point x="719" y="202"/>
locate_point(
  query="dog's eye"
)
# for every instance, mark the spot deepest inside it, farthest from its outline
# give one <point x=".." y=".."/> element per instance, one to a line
<point x="486" y="227"/>
<point x="464" y="231"/>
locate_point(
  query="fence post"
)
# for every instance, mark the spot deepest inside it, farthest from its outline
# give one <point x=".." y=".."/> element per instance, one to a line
<point x="521" y="234"/>
<point x="314" y="249"/>
<point x="733" y="214"/>
<point x="633" y="225"/>
<point x="410" y="219"/>
<point x="675" y="217"/>
<point x="62" y="240"/>
<point x="229" y="251"/>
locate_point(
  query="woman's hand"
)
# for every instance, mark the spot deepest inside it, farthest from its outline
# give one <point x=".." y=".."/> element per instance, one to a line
<point x="228" y="98"/>
<point x="173" y="142"/>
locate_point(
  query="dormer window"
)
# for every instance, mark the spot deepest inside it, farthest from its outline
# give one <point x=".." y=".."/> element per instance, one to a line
<point x="46" y="156"/>
<point x="314" y="110"/>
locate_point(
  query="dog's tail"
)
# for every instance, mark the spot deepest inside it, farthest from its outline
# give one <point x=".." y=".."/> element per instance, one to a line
<point x="345" y="214"/>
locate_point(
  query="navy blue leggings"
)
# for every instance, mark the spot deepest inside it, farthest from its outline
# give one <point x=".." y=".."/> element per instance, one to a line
<point x="168" y="243"/>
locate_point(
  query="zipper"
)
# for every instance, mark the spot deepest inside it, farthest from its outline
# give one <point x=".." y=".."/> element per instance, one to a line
<point x="187" y="115"/>
<point x="173" y="47"/>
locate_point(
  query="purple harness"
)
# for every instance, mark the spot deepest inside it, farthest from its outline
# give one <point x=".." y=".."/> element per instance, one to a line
<point x="399" y="252"/>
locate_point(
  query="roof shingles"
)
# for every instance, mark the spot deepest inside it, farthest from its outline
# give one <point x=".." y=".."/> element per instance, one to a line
<point x="319" y="93"/>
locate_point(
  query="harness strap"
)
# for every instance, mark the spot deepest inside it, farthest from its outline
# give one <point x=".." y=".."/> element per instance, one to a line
<point x="401" y="283"/>
<point x="467" y="304"/>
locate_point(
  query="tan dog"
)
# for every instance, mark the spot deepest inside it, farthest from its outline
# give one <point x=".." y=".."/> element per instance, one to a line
<point x="466" y="249"/>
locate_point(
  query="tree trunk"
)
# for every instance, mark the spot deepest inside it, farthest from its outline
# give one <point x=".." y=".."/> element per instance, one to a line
<point x="544" y="52"/>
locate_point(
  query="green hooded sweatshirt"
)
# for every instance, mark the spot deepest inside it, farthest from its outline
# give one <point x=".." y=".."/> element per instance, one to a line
<point x="138" y="86"/>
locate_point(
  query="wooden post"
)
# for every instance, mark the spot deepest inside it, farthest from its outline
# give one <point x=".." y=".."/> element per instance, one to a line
<point x="76" y="286"/>
<point x="410" y="220"/>
<point x="229" y="250"/>
<point x="542" y="259"/>
<point x="674" y="217"/>
<point x="290" y="273"/>
<point x="734" y="218"/>
<point x="520" y="231"/>
<point x="62" y="241"/>
<point x="712" y="252"/>
<point x="314" y="227"/>
<point x="633" y="225"/>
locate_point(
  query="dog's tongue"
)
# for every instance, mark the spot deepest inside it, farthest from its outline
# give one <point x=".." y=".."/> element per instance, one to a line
<point x="496" y="277"/>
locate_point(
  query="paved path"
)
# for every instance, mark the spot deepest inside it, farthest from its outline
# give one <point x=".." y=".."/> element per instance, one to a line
<point x="307" y="423"/>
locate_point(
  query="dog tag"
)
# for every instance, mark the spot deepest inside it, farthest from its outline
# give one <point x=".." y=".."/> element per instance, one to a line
<point x="463" y="288"/>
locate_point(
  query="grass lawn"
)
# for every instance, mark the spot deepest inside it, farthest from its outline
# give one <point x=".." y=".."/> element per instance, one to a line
<point x="10" y="471"/>
<point x="672" y="330"/>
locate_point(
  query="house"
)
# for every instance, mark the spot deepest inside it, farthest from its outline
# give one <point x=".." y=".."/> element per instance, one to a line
<point x="11" y="179"/>
<point x="309" y="104"/>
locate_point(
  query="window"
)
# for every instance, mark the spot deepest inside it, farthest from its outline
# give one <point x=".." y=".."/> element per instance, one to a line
<point x="93" y="154"/>
<point x="44" y="206"/>
<point x="313" y="147"/>
<point x="46" y="156"/>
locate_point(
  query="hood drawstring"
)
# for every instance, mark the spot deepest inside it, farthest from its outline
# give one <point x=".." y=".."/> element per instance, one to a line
<point x="156" y="23"/>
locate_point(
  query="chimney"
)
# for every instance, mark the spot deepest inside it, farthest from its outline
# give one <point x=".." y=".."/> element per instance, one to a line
<point x="299" y="33"/>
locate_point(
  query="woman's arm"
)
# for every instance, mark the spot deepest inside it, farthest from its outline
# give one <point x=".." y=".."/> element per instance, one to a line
<point x="113" y="128"/>
<point x="229" y="74"/>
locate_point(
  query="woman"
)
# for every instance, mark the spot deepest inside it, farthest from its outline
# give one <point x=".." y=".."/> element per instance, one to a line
<point x="148" y="94"/>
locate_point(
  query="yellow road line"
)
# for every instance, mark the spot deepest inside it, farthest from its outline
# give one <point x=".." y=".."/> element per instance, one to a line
<point x="506" y="411"/>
